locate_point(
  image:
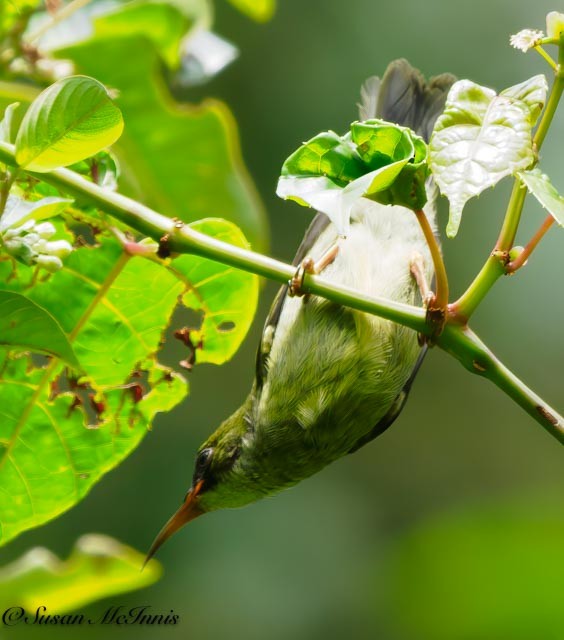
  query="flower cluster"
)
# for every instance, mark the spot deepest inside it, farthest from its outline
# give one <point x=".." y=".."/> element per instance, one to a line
<point x="30" y="243"/>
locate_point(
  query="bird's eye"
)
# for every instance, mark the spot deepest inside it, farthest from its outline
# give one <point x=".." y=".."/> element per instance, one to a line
<point x="203" y="459"/>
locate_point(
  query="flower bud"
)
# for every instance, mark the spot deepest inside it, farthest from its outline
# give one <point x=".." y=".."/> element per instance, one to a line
<point x="49" y="263"/>
<point x="45" y="229"/>
<point x="59" y="248"/>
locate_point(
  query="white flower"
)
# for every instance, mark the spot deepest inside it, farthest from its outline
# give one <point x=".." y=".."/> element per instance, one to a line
<point x="526" y="39"/>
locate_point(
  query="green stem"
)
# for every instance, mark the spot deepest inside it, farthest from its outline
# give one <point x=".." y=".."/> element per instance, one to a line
<point x="180" y="238"/>
<point x="472" y="353"/>
<point x="539" y="49"/>
<point x="177" y="237"/>
<point x="520" y="260"/>
<point x="496" y="265"/>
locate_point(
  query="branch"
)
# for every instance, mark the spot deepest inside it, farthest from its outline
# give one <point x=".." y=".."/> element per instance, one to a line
<point x="457" y="340"/>
<point x="472" y="353"/>
<point x="180" y="238"/>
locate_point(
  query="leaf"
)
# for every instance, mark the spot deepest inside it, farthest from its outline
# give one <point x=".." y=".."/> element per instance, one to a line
<point x="19" y="211"/>
<point x="532" y="92"/>
<point x="71" y="120"/>
<point x="218" y="291"/>
<point x="259" y="10"/>
<point x="97" y="568"/>
<point x="7" y="125"/>
<point x="539" y="184"/>
<point x="328" y="155"/>
<point x="60" y="434"/>
<point x="175" y="157"/>
<point x="320" y="193"/>
<point x="479" y="139"/>
<point x="376" y="160"/>
<point x="25" y="325"/>
<point x="136" y="298"/>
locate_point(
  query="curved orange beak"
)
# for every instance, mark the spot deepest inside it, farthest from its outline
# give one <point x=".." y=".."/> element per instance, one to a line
<point x="188" y="511"/>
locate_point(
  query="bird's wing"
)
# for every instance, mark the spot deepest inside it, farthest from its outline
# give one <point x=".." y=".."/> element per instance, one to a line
<point x="395" y="409"/>
<point x="315" y="229"/>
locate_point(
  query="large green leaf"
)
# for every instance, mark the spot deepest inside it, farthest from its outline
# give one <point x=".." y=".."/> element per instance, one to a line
<point x="98" y="567"/>
<point x="539" y="184"/>
<point x="115" y="309"/>
<point x="71" y="120"/>
<point x="481" y="138"/>
<point x="180" y="159"/>
<point x="25" y="325"/>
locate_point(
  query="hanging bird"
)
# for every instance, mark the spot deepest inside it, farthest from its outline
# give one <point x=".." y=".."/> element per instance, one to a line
<point x="329" y="379"/>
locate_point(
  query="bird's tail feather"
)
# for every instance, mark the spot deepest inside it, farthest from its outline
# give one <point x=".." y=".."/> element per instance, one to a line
<point x="404" y="96"/>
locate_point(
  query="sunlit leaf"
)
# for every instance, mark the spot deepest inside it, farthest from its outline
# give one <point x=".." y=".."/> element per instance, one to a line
<point x="532" y="92"/>
<point x="260" y="10"/>
<point x="217" y="291"/>
<point x="24" y="325"/>
<point x="539" y="184"/>
<point x="376" y="160"/>
<point x="72" y="119"/>
<point x="7" y="125"/>
<point x="481" y="138"/>
<point x="18" y="211"/>
<point x="98" y="567"/>
<point x="61" y="432"/>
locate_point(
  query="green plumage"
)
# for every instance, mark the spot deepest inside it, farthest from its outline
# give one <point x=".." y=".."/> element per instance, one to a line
<point x="328" y="379"/>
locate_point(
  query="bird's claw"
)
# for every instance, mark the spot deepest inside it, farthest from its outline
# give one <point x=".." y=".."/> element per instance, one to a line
<point x="296" y="283"/>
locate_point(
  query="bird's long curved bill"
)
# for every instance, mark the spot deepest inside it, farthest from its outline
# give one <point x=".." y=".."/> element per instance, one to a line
<point x="188" y="511"/>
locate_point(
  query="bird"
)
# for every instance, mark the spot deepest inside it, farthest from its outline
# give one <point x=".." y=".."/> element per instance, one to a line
<point x="329" y="379"/>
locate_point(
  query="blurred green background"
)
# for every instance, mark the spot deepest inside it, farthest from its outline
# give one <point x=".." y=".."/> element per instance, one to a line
<point x="451" y="524"/>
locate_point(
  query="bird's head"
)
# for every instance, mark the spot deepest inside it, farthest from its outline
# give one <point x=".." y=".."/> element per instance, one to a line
<point x="227" y="474"/>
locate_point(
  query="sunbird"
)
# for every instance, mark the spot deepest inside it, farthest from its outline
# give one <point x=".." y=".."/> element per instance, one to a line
<point x="329" y="379"/>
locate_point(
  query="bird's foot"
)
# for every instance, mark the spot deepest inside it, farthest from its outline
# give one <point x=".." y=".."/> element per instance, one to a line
<point x="308" y="265"/>
<point x="417" y="268"/>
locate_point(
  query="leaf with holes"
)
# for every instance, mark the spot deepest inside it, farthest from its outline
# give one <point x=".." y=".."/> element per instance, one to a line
<point x="481" y="138"/>
<point x="98" y="567"/>
<point x="60" y="432"/>
<point x="539" y="184"/>
<point x="71" y="120"/>
<point x="218" y="291"/>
